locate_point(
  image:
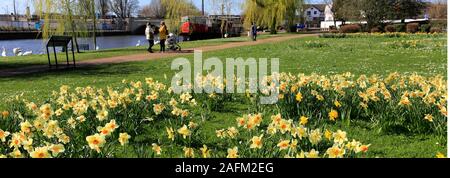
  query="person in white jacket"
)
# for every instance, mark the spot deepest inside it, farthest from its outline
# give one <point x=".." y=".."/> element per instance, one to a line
<point x="150" y="35"/>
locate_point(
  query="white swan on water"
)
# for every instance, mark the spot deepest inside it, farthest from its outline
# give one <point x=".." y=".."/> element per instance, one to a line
<point x="4" y="52"/>
<point x="27" y="53"/>
<point x="17" y="51"/>
<point x="139" y="43"/>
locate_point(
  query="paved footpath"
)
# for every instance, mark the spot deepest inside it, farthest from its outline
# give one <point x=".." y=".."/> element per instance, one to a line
<point x="148" y="56"/>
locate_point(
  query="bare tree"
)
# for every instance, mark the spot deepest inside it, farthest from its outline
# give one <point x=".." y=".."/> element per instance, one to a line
<point x="124" y="8"/>
<point x="154" y="10"/>
<point x="438" y="9"/>
<point x="102" y="7"/>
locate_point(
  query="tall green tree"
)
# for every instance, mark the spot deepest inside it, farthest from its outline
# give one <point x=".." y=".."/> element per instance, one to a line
<point x="67" y="17"/>
<point x="271" y="13"/>
<point x="175" y="10"/>
<point x="403" y="9"/>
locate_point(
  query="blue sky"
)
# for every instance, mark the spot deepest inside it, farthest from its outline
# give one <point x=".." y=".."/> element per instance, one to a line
<point x="7" y="5"/>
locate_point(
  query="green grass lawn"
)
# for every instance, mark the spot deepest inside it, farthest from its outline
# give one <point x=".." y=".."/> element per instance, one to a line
<point x="23" y="61"/>
<point x="368" y="55"/>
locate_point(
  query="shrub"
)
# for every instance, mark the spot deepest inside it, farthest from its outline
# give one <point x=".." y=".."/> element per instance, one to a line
<point x="333" y="35"/>
<point x="439" y="23"/>
<point x="412" y="28"/>
<point x="389" y="28"/>
<point x="425" y="28"/>
<point x="399" y="27"/>
<point x="375" y="30"/>
<point x="353" y="28"/>
<point x="435" y="30"/>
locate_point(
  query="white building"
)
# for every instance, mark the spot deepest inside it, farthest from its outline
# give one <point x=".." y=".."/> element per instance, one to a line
<point x="329" y="19"/>
<point x="314" y="14"/>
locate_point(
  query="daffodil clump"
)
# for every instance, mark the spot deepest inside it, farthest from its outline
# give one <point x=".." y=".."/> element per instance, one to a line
<point x="148" y="118"/>
<point x="256" y="137"/>
<point x="412" y="102"/>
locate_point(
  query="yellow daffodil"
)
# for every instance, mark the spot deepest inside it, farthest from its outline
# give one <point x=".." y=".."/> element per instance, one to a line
<point x="284" y="144"/>
<point x="170" y="133"/>
<point x="26" y="127"/>
<point x="333" y="115"/>
<point x="96" y="142"/>
<point x="158" y="108"/>
<point x="328" y="134"/>
<point x="40" y="152"/>
<point x="256" y="142"/>
<point x="312" y="154"/>
<point x="300" y="155"/>
<point x="184" y="131"/>
<point x="57" y="149"/>
<point x="16" y="153"/>
<point x="299" y="97"/>
<point x="3" y="135"/>
<point x="353" y="146"/>
<point x="440" y="155"/>
<point x="233" y="152"/>
<point x="285" y="126"/>
<point x="303" y="120"/>
<point x="241" y="121"/>
<point x="429" y="117"/>
<point x="340" y="137"/>
<point x="102" y="115"/>
<point x="315" y="137"/>
<point x="205" y="152"/>
<point x="123" y="138"/>
<point x="156" y="148"/>
<point x="363" y="148"/>
<point x="16" y="140"/>
<point x="189" y="152"/>
<point x="335" y="152"/>
<point x="193" y="125"/>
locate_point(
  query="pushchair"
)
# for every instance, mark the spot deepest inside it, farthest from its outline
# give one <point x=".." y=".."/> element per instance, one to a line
<point x="172" y="43"/>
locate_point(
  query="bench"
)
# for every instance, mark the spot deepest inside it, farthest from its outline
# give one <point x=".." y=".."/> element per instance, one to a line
<point x="60" y="41"/>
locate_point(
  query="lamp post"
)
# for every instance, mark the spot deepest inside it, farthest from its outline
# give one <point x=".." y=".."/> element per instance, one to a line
<point x="203" y="7"/>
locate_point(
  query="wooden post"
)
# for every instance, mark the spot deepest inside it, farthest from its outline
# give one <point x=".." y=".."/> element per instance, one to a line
<point x="48" y="55"/>
<point x="67" y="55"/>
<point x="73" y="53"/>
<point x="56" y="58"/>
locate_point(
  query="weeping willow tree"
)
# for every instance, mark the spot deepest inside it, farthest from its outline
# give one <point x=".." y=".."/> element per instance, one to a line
<point x="66" y="17"/>
<point x="88" y="16"/>
<point x="272" y="13"/>
<point x="175" y="10"/>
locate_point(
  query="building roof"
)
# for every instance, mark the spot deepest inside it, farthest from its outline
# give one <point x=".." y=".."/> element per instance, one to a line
<point x="320" y="7"/>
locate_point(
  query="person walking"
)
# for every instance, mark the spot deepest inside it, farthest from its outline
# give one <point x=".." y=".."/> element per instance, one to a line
<point x="150" y="35"/>
<point x="254" y="31"/>
<point x="163" y="32"/>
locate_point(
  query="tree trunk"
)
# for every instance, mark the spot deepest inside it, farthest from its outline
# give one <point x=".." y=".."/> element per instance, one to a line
<point x="273" y="29"/>
<point x="72" y="24"/>
<point x="95" y="25"/>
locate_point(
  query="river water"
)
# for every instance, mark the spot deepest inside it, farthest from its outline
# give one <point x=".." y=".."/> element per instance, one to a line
<point x="105" y="42"/>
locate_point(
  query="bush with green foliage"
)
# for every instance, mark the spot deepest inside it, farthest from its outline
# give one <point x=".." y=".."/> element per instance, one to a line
<point x="399" y="27"/>
<point x="425" y="28"/>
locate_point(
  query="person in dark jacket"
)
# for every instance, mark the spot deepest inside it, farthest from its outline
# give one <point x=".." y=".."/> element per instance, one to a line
<point x="254" y="31"/>
<point x="150" y="35"/>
